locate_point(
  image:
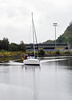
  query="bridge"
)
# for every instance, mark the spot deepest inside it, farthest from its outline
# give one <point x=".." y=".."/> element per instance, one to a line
<point x="47" y="47"/>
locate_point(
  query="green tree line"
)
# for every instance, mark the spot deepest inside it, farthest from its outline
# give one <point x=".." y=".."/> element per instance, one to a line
<point x="5" y="45"/>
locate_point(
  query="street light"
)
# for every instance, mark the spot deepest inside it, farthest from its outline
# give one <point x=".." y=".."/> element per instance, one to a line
<point x="55" y="24"/>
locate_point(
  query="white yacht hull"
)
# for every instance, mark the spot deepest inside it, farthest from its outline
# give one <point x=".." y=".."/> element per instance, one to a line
<point x="31" y="61"/>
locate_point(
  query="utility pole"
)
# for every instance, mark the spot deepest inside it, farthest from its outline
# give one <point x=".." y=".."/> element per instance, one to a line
<point x="55" y="24"/>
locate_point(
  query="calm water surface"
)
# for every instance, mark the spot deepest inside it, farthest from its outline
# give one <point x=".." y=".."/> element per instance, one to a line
<point x="52" y="80"/>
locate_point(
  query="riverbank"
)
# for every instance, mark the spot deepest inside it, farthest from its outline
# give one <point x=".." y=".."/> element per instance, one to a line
<point x="4" y="53"/>
<point x="58" y="53"/>
<point x="5" y="56"/>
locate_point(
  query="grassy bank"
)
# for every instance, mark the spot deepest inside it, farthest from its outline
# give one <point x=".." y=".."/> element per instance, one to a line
<point x="4" y="53"/>
<point x="58" y="53"/>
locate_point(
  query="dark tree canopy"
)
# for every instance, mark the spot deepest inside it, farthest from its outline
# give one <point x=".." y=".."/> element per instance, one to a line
<point x="13" y="47"/>
<point x="5" y="45"/>
<point x="22" y="46"/>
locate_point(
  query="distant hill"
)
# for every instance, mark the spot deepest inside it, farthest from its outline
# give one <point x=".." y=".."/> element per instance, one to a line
<point x="66" y="37"/>
<point x="49" y="41"/>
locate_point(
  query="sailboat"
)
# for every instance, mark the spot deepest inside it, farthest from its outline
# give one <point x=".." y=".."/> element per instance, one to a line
<point x="32" y="60"/>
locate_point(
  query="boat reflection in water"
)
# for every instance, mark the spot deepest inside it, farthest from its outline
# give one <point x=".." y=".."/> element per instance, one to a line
<point x="35" y="78"/>
<point x="31" y="67"/>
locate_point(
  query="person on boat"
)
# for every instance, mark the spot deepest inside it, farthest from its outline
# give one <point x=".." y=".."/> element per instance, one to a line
<point x="35" y="57"/>
<point x="22" y="59"/>
<point x="25" y="56"/>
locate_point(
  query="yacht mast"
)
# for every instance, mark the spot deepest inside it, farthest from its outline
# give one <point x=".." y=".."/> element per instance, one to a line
<point x="33" y="30"/>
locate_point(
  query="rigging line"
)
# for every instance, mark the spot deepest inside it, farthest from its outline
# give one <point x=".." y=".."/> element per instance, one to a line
<point x="35" y="35"/>
<point x="30" y="34"/>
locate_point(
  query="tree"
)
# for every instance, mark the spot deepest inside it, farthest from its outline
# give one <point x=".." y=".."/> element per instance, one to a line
<point x="5" y="44"/>
<point x="61" y="39"/>
<point x="0" y="44"/>
<point x="41" y="52"/>
<point x="13" y="47"/>
<point x="58" y="52"/>
<point x="22" y="46"/>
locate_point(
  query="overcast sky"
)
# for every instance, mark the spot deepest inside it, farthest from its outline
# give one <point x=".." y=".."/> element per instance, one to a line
<point x="15" y="19"/>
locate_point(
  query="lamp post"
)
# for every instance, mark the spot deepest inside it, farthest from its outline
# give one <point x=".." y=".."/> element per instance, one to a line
<point x="55" y="24"/>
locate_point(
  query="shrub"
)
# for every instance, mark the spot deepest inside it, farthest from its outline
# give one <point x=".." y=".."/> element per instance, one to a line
<point x="58" y="52"/>
<point x="41" y="52"/>
<point x="67" y="52"/>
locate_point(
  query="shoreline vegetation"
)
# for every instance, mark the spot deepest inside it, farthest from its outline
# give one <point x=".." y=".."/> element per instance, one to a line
<point x="6" y="56"/>
<point x="4" y="53"/>
<point x="19" y="50"/>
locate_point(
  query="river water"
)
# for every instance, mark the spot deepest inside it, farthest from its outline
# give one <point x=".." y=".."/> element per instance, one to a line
<point x="52" y="80"/>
